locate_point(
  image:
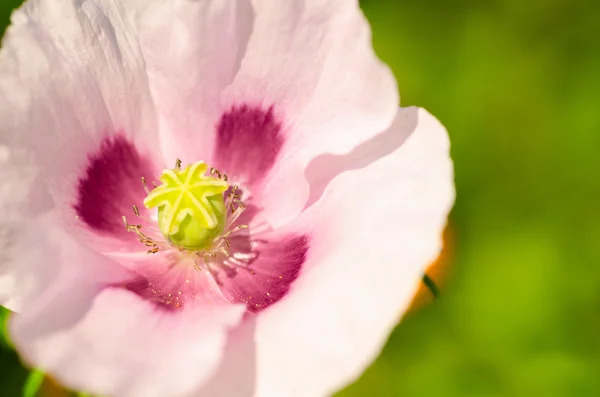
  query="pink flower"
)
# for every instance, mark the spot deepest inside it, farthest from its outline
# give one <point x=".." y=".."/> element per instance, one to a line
<point x="283" y="278"/>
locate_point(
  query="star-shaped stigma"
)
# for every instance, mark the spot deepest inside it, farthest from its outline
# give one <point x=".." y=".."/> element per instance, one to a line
<point x="187" y="192"/>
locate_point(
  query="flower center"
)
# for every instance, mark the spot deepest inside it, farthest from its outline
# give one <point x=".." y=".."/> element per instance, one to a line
<point x="191" y="206"/>
<point x="196" y="212"/>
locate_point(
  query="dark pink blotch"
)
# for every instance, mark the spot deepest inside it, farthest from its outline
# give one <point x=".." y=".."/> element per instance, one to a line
<point x="268" y="277"/>
<point x="111" y="185"/>
<point x="249" y="140"/>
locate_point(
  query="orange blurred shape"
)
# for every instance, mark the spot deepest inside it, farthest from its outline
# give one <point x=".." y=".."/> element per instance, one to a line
<point x="437" y="272"/>
<point x="51" y="389"/>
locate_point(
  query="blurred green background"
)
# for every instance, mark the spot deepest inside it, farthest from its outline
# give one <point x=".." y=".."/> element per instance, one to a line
<point x="517" y="84"/>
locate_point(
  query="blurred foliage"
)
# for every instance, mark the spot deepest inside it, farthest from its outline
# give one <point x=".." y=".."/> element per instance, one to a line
<point x="12" y="375"/>
<point x="517" y="84"/>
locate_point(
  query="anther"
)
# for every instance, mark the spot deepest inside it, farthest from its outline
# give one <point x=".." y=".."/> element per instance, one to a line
<point x="136" y="210"/>
<point x="219" y="174"/>
<point x="145" y="186"/>
<point x="178" y="164"/>
<point x="234" y="230"/>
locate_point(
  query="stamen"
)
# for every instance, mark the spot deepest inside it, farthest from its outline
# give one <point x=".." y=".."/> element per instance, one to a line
<point x="145" y="186"/>
<point x="214" y="171"/>
<point x="144" y="239"/>
<point x="215" y="255"/>
<point x="235" y="229"/>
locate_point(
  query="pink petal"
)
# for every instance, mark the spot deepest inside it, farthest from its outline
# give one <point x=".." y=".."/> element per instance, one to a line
<point x="312" y="63"/>
<point x="45" y="272"/>
<point x="236" y="376"/>
<point x="9" y="297"/>
<point x="72" y="75"/>
<point x="192" y="51"/>
<point x="373" y="232"/>
<point x="125" y="346"/>
<point x="20" y="198"/>
<point x="107" y="340"/>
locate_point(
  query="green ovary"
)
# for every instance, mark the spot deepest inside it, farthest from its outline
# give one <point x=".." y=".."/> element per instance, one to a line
<point x="191" y="207"/>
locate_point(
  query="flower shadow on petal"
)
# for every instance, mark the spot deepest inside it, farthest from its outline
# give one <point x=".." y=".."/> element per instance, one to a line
<point x="236" y="376"/>
<point x="324" y="168"/>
